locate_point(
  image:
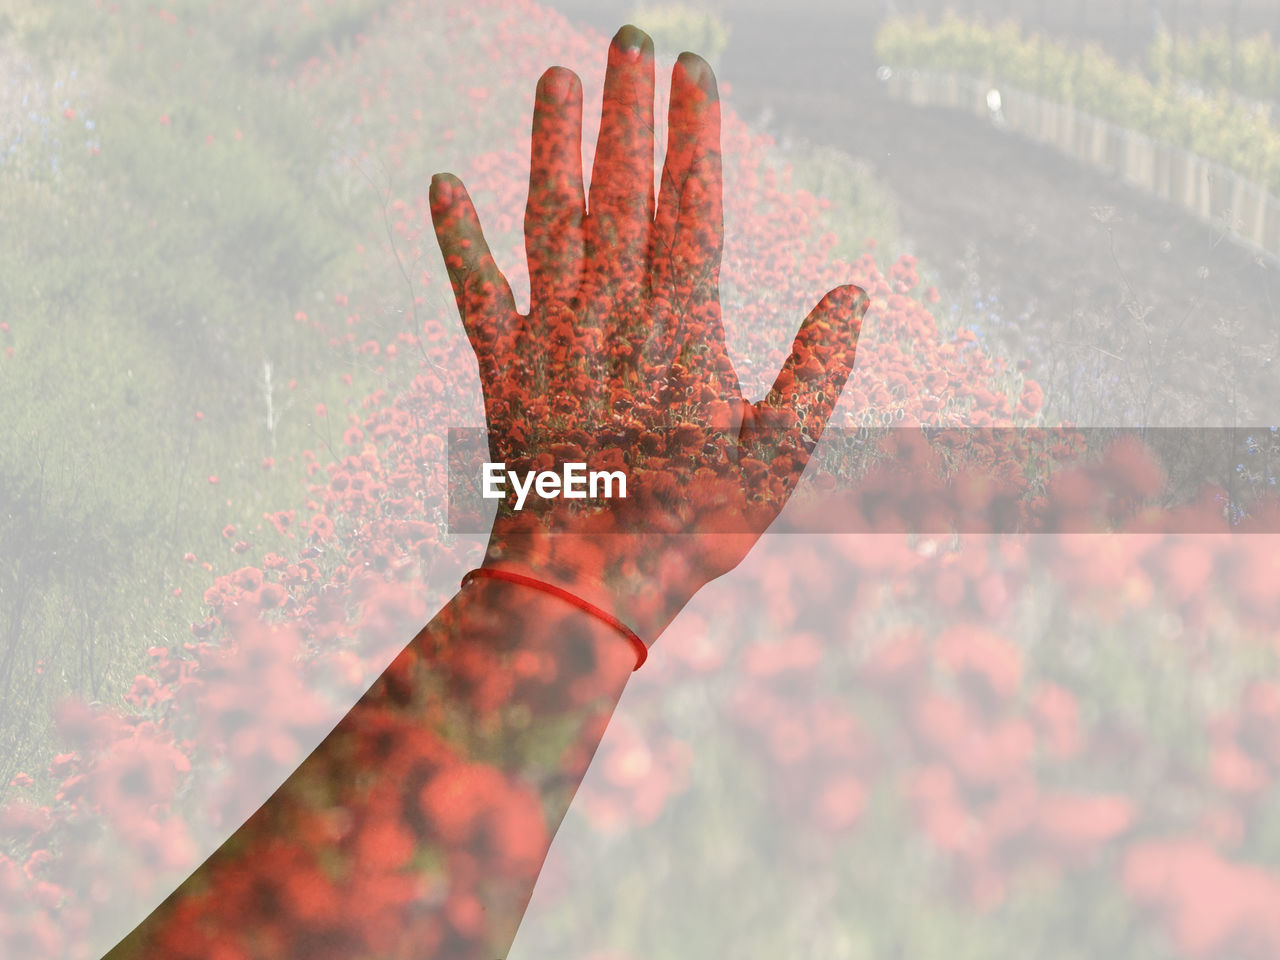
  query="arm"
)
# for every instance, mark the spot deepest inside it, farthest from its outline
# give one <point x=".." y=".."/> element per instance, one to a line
<point x="419" y="825"/>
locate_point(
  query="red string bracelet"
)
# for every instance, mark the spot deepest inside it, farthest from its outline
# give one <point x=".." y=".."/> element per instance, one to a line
<point x="496" y="574"/>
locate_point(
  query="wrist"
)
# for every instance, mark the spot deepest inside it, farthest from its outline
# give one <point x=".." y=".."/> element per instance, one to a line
<point x="572" y="597"/>
<point x="528" y="648"/>
<point x="599" y="570"/>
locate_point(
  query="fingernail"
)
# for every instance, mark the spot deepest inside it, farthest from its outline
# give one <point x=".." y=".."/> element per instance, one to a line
<point x="441" y="190"/>
<point x="697" y="70"/>
<point x="630" y="41"/>
<point x="860" y="300"/>
<point x="559" y="87"/>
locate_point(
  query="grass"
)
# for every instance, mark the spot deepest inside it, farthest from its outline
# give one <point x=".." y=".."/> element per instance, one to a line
<point x="156" y="278"/>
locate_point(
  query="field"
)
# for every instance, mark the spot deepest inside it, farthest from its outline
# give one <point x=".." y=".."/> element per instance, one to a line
<point x="228" y="363"/>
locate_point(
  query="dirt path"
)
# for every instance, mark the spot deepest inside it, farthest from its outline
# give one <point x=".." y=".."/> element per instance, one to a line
<point x="1127" y="310"/>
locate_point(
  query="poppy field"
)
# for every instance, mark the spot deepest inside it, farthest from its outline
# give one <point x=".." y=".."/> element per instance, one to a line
<point x="227" y="472"/>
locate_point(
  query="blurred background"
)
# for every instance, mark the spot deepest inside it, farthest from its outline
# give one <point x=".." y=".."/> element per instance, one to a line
<point x="228" y="363"/>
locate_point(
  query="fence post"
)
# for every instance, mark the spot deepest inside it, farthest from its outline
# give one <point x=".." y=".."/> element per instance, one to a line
<point x="1098" y="142"/>
<point x="916" y="89"/>
<point x="894" y="87"/>
<point x="1240" y="216"/>
<point x="1271" y="227"/>
<point x="978" y="98"/>
<point x="1252" y="211"/>
<point x="1163" y="171"/>
<point x="1260" y="215"/>
<point x="1180" y="177"/>
<point x="1206" y="181"/>
<point x="1114" y="148"/>
<point x="1138" y="163"/>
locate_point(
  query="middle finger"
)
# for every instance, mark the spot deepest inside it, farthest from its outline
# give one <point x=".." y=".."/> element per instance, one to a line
<point x="620" y="203"/>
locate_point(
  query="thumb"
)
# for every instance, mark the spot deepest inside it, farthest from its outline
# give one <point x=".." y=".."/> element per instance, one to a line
<point x="808" y="386"/>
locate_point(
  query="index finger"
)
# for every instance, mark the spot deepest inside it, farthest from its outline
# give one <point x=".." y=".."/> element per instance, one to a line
<point x="485" y="303"/>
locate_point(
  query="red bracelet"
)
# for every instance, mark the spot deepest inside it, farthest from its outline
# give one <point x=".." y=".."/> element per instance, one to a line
<point x="496" y="574"/>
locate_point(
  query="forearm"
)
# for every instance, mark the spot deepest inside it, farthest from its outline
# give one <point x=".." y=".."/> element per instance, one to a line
<point x="418" y="826"/>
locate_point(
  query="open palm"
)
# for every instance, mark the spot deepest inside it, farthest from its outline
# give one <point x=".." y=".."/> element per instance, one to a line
<point x="621" y="360"/>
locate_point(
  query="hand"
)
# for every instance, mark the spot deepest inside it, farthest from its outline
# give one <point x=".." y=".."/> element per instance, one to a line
<point x="621" y="361"/>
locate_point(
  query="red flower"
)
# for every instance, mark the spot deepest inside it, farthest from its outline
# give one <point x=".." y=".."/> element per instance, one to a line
<point x="840" y="803"/>
<point x="1075" y="822"/>
<point x="384" y="844"/>
<point x="458" y="796"/>
<point x="981" y="653"/>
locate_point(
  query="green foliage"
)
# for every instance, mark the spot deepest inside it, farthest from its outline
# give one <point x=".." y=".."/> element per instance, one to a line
<point x="1087" y="78"/>
<point x="1205" y="61"/>
<point x="163" y="229"/>
<point x="676" y="27"/>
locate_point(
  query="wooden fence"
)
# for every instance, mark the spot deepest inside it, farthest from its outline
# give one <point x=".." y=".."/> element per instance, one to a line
<point x="1210" y="191"/>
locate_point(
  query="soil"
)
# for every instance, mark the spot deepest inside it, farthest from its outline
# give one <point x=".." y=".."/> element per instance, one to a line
<point x="1129" y="311"/>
